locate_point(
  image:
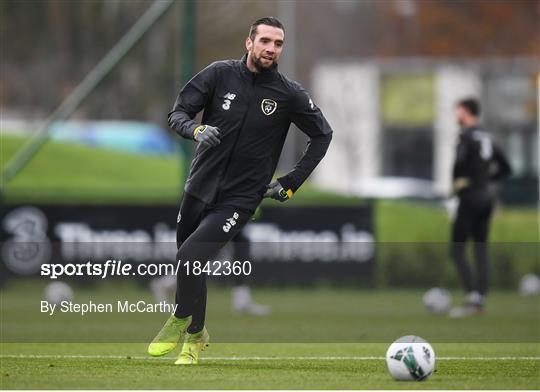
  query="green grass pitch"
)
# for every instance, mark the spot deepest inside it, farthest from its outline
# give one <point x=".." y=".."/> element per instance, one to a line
<point x="315" y="339"/>
<point x="320" y="338"/>
<point x="263" y="366"/>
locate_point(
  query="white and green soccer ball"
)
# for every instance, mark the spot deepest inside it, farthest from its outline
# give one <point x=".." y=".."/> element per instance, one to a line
<point x="56" y="292"/>
<point x="437" y="300"/>
<point x="410" y="358"/>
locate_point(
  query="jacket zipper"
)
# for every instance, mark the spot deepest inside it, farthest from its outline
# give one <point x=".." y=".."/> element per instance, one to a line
<point x="229" y="159"/>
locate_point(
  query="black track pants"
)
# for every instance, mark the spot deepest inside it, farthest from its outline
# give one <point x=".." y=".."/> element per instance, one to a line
<point x="201" y="231"/>
<point x="472" y="222"/>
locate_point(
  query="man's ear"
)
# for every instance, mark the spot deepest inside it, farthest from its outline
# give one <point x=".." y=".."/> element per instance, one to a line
<point x="249" y="44"/>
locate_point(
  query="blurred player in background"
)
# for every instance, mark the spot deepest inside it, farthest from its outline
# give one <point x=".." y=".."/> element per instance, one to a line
<point x="248" y="108"/>
<point x="479" y="162"/>
<point x="241" y="299"/>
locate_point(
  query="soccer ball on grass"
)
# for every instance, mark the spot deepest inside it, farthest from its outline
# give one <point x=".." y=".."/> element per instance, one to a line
<point x="410" y="358"/>
<point x="437" y="300"/>
<point x="56" y="292"/>
<point x="529" y="285"/>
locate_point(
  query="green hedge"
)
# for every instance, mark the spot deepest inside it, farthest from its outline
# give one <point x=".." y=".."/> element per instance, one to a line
<point x="413" y="248"/>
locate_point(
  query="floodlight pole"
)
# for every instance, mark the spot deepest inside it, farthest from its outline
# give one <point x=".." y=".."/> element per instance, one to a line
<point x="286" y="13"/>
<point x="187" y="59"/>
<point x="187" y="69"/>
<point x="83" y="90"/>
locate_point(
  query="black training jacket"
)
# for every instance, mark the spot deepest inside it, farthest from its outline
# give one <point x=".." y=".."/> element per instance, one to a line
<point x="253" y="113"/>
<point x="479" y="160"/>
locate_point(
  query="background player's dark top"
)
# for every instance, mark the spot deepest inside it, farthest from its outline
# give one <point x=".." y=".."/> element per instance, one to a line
<point x="479" y="160"/>
<point x="237" y="171"/>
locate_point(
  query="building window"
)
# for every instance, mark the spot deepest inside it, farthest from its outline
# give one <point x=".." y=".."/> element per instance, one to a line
<point x="407" y="113"/>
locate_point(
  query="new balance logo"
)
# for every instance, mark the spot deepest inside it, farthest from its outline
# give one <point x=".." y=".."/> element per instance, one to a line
<point x="229" y="97"/>
<point x="230" y="222"/>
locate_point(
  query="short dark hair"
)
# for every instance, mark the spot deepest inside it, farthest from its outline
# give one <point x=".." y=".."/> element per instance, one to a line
<point x="472" y="105"/>
<point x="268" y="21"/>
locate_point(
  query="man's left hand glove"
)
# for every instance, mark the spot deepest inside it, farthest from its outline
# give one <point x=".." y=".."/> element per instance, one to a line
<point x="277" y="192"/>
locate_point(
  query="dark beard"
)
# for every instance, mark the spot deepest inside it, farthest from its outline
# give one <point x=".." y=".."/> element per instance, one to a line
<point x="260" y="67"/>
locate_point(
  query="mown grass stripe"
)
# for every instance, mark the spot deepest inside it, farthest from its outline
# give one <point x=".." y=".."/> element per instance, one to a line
<point x="256" y="358"/>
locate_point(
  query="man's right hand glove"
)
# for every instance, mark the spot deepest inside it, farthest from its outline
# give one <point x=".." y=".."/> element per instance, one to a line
<point x="460" y="183"/>
<point x="207" y="135"/>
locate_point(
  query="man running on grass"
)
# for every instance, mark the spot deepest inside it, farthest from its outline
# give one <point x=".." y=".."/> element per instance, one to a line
<point x="248" y="108"/>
